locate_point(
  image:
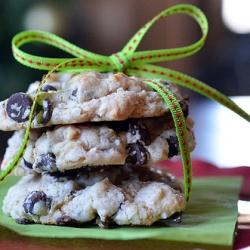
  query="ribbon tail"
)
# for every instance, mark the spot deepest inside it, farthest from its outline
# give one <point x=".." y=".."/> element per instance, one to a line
<point x="180" y="126"/>
<point x="47" y="63"/>
<point x="184" y="80"/>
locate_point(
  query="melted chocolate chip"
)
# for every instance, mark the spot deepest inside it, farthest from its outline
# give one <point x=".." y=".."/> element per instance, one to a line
<point x="23" y="221"/>
<point x="66" y="221"/>
<point x="141" y="129"/>
<point x="176" y="217"/>
<point x="72" y="193"/>
<point x="32" y="199"/>
<point x="47" y="112"/>
<point x="104" y="223"/>
<point x="47" y="88"/>
<point x="137" y="153"/>
<point x="185" y="107"/>
<point x="18" y="107"/>
<point x="133" y="128"/>
<point x="27" y="164"/>
<point x="46" y="163"/>
<point x="44" y="112"/>
<point x="173" y="146"/>
<point x="74" y="92"/>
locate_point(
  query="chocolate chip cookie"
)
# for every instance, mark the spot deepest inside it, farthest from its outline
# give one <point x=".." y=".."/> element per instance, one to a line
<point x="88" y="96"/>
<point x="125" y="195"/>
<point x="65" y="147"/>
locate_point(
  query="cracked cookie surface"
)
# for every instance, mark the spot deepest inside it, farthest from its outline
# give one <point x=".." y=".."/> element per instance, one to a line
<point x="88" y="96"/>
<point x="64" y="147"/>
<point x="128" y="195"/>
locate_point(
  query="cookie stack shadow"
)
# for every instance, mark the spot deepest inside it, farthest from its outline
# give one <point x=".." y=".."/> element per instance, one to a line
<point x="92" y="152"/>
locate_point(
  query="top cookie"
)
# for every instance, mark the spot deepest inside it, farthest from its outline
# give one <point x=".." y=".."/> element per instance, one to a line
<point x="84" y="97"/>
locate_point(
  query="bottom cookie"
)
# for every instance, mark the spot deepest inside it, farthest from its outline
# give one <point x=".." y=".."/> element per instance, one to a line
<point x="128" y="195"/>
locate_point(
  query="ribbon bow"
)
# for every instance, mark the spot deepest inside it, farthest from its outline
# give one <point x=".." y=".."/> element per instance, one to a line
<point x="131" y="63"/>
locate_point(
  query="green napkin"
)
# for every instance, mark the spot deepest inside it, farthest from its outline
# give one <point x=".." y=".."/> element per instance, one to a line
<point x="210" y="218"/>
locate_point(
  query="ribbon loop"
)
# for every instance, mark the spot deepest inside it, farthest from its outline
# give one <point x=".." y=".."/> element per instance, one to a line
<point x="128" y="55"/>
<point x="154" y="56"/>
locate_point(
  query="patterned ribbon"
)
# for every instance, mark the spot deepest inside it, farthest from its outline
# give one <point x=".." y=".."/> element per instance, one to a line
<point x="131" y="63"/>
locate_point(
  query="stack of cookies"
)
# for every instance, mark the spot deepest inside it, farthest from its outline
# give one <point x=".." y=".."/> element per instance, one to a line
<point x="94" y="141"/>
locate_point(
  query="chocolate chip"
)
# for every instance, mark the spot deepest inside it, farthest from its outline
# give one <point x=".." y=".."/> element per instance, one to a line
<point x="66" y="221"/>
<point x="176" y="217"/>
<point x="47" y="88"/>
<point x="133" y="128"/>
<point x="137" y="153"/>
<point x="174" y="148"/>
<point x="18" y="107"/>
<point x="47" y="112"/>
<point x="185" y="107"/>
<point x="44" y="112"/>
<point x="23" y="221"/>
<point x="72" y="193"/>
<point x="74" y="92"/>
<point x="36" y="203"/>
<point x="104" y="223"/>
<point x="27" y="164"/>
<point x="46" y="163"/>
<point x="140" y="128"/>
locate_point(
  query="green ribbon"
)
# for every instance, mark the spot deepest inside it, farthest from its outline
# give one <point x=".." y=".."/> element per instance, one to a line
<point x="131" y="63"/>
